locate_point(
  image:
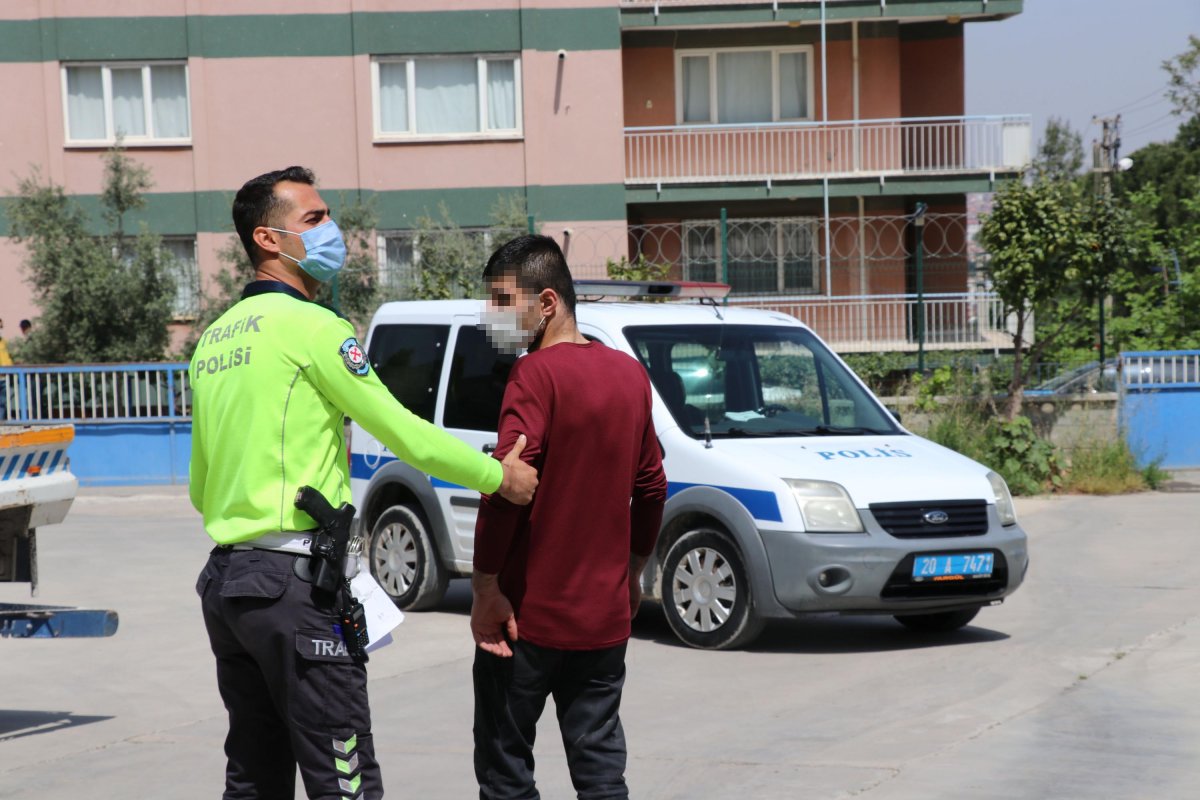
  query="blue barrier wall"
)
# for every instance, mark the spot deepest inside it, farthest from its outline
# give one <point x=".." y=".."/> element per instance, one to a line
<point x="1160" y="407"/>
<point x="131" y="454"/>
<point x="132" y="421"/>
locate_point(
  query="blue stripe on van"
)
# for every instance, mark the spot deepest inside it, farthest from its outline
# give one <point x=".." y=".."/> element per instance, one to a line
<point x="762" y="505"/>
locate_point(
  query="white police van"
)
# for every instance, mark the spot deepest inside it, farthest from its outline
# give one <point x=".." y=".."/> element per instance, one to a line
<point x="792" y="490"/>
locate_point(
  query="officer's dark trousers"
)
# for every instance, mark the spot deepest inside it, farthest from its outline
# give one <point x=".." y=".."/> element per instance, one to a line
<point x="294" y="695"/>
<point x="510" y="694"/>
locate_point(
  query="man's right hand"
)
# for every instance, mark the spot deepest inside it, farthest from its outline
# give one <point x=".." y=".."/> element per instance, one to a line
<point x="520" y="479"/>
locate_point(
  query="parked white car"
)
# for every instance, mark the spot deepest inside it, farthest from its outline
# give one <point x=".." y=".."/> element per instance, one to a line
<point x="792" y="490"/>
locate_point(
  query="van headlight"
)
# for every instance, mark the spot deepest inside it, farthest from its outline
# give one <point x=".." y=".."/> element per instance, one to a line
<point x="825" y="507"/>
<point x="1004" y="502"/>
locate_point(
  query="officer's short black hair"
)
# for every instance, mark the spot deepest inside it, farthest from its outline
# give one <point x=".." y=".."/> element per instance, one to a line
<point x="256" y="204"/>
<point x="538" y="264"/>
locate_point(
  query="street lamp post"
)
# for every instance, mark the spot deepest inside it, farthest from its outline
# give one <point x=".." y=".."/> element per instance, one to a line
<point x="918" y="219"/>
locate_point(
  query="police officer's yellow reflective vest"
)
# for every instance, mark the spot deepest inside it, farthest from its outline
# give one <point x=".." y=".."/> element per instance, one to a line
<point x="271" y="381"/>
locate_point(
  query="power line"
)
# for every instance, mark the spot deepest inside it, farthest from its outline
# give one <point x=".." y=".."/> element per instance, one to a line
<point x="1154" y="124"/>
<point x="1144" y="106"/>
<point x="1134" y="102"/>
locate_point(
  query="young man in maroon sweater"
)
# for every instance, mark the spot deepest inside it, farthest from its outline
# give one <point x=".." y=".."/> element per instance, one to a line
<point x="556" y="583"/>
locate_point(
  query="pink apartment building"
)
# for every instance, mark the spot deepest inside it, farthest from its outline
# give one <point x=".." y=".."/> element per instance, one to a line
<point x="781" y="146"/>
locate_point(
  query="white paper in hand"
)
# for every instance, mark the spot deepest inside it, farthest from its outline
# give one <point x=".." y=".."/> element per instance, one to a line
<point x="382" y="614"/>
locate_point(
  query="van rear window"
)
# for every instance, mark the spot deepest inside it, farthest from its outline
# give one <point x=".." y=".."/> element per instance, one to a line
<point x="409" y="359"/>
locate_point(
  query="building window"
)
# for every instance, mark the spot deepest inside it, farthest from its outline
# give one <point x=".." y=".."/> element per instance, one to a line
<point x="743" y="85"/>
<point x="143" y="103"/>
<point x="447" y="96"/>
<point x="182" y="268"/>
<point x="766" y="256"/>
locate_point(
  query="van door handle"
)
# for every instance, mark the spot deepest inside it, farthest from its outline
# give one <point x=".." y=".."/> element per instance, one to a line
<point x="489" y="448"/>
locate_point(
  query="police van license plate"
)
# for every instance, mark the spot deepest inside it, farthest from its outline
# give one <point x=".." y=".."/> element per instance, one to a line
<point x="959" y="567"/>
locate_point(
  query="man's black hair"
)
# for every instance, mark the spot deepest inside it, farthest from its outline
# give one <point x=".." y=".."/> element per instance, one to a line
<point x="538" y="264"/>
<point x="256" y="204"/>
<point x="24" y="325"/>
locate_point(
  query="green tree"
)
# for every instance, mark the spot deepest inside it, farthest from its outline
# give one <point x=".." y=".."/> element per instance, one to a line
<point x="450" y="260"/>
<point x="1183" y="89"/>
<point x="1060" y="153"/>
<point x="1041" y="248"/>
<point x="104" y="297"/>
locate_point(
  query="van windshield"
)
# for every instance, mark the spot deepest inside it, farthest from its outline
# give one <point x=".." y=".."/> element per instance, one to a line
<point x="740" y="381"/>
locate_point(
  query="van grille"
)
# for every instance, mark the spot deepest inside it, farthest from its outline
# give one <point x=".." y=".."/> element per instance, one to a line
<point x="908" y="521"/>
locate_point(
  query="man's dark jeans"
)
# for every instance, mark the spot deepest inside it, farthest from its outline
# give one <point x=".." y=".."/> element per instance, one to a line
<point x="510" y="694"/>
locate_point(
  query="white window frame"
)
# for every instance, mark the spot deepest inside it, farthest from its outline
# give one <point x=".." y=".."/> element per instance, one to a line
<point x="812" y="223"/>
<point x="712" y="52"/>
<point x="106" y="68"/>
<point x="481" y="62"/>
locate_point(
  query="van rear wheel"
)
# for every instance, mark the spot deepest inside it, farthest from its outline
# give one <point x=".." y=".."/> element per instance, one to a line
<point x="404" y="560"/>
<point x="705" y="593"/>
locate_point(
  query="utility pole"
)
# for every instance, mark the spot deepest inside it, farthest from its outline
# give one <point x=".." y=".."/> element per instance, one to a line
<point x="918" y="221"/>
<point x="1104" y="161"/>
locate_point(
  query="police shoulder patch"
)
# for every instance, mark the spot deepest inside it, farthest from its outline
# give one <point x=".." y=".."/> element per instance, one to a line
<point x="353" y="357"/>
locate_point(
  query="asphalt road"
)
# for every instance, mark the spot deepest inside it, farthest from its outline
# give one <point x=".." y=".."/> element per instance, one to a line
<point x="1083" y="685"/>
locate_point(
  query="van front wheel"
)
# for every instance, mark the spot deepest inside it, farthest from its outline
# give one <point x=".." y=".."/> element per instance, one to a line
<point x="404" y="561"/>
<point x="706" y="596"/>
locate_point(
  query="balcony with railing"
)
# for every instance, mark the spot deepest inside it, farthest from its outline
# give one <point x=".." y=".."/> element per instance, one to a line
<point x="892" y="323"/>
<point x="837" y="10"/>
<point x="798" y="151"/>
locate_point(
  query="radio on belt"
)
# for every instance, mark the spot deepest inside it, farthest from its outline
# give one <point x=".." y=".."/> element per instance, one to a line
<point x="334" y="562"/>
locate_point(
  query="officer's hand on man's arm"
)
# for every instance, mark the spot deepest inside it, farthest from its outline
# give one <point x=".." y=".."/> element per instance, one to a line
<point x="520" y="479"/>
<point x="492" y="617"/>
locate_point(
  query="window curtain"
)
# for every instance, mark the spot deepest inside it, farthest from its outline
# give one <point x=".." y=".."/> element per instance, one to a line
<point x="182" y="260"/>
<point x="793" y="85"/>
<point x="447" y="95"/>
<point x="502" y="95"/>
<point x="399" y="267"/>
<point x="744" y="87"/>
<point x="85" y="104"/>
<point x="128" y="104"/>
<point x="700" y="253"/>
<point x="696" y="105"/>
<point x="393" y="98"/>
<point x="169" y="102"/>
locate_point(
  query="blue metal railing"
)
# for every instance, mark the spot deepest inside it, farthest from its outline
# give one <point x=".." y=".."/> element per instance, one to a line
<point x="95" y="393"/>
<point x="1160" y="369"/>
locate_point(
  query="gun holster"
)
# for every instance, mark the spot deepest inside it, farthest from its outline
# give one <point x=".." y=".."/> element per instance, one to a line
<point x="327" y="570"/>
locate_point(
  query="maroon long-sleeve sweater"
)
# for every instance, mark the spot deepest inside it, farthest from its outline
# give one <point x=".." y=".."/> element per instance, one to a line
<point x="563" y="560"/>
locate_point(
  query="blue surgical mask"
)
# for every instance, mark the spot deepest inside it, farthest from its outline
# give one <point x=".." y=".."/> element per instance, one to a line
<point x="324" y="250"/>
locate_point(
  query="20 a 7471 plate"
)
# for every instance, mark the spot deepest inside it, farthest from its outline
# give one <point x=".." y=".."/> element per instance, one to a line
<point x="959" y="567"/>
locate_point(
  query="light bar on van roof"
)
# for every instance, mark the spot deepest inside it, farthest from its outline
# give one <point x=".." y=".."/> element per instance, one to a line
<point x="682" y="290"/>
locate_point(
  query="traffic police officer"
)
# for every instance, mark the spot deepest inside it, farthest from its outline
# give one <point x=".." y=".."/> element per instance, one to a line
<point x="272" y="381"/>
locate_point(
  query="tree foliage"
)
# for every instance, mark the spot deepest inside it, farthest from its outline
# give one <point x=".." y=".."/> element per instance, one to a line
<point x="450" y="260"/>
<point x="1183" y="88"/>
<point x="1042" y="248"/>
<point x="1060" y="153"/>
<point x="106" y="296"/>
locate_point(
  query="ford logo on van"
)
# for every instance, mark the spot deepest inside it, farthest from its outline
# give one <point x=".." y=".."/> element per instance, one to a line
<point x="936" y="517"/>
